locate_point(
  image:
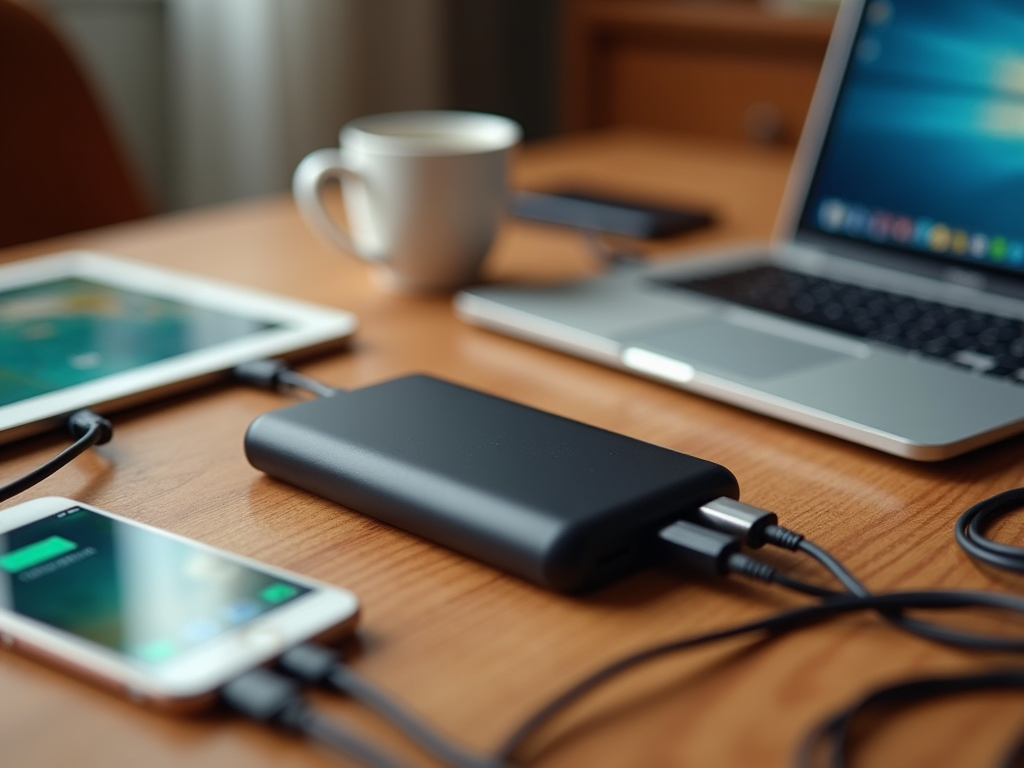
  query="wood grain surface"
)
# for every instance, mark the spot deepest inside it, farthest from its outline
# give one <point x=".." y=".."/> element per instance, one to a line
<point x="473" y="649"/>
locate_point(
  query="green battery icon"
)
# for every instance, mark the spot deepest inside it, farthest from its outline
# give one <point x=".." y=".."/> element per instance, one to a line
<point x="34" y="554"/>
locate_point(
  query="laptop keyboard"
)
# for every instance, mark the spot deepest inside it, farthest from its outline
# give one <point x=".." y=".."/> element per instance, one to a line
<point x="985" y="343"/>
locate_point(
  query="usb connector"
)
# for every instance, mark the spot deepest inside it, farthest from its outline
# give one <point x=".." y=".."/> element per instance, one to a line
<point x="267" y="697"/>
<point x="699" y="548"/>
<point x="712" y="552"/>
<point x="752" y="525"/>
<point x="277" y="376"/>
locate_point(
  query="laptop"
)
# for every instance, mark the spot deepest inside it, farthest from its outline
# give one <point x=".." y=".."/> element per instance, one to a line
<point x="889" y="309"/>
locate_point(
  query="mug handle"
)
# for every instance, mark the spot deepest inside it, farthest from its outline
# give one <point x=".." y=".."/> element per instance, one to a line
<point x="312" y="173"/>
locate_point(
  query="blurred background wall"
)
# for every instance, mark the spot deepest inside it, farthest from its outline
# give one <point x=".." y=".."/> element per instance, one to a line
<point x="219" y="99"/>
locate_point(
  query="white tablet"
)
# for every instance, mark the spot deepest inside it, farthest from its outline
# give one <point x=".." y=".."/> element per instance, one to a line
<point x="82" y="329"/>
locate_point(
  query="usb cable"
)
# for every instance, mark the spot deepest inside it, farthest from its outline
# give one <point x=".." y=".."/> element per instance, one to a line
<point x="711" y="543"/>
<point x="832" y="739"/>
<point x="267" y="697"/>
<point x="278" y="376"/>
<point x="317" y="665"/>
<point x="973" y="523"/>
<point x="744" y="524"/>
<point x="87" y="427"/>
<point x="276" y="698"/>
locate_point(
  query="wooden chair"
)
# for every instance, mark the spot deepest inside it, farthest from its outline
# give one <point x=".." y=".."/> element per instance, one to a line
<point x="61" y="169"/>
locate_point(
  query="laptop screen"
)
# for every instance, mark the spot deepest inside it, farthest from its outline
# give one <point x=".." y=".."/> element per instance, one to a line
<point x="925" y="152"/>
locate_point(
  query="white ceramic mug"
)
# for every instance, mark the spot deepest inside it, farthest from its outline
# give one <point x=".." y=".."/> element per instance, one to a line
<point x="424" y="193"/>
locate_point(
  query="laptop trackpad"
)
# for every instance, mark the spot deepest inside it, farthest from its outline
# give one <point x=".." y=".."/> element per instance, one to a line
<point x="721" y="347"/>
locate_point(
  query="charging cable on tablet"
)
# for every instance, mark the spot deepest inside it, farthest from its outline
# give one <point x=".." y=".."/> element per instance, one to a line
<point x="87" y="427"/>
<point x="277" y="376"/>
<point x="90" y="429"/>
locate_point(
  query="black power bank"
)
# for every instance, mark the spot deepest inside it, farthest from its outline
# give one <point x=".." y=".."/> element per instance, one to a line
<point x="563" y="504"/>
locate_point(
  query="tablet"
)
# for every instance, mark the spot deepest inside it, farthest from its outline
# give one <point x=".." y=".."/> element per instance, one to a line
<point x="81" y="329"/>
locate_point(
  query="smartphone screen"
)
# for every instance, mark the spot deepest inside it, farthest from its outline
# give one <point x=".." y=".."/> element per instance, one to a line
<point x="130" y="589"/>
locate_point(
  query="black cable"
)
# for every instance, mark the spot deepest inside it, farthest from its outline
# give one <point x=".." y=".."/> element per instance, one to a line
<point x="318" y="665"/>
<point x="344" y="740"/>
<point x="734" y="521"/>
<point x="267" y="697"/>
<point x="835" y="732"/>
<point x="806" y="589"/>
<point x="925" y="629"/>
<point x="972" y="524"/>
<point x="277" y="376"/>
<point x="297" y="380"/>
<point x="717" y="553"/>
<point x="87" y="427"/>
<point x="850" y="582"/>
<point x="773" y="626"/>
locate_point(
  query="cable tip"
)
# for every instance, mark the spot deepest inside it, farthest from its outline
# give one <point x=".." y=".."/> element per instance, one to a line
<point x="263" y="374"/>
<point x="265" y="697"/>
<point x="699" y="548"/>
<point x="747" y="523"/>
<point x="80" y="422"/>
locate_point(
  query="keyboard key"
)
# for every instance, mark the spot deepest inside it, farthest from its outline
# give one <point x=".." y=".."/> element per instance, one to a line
<point x="986" y="343"/>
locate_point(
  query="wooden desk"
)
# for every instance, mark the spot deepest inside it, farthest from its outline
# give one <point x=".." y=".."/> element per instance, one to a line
<point x="472" y="648"/>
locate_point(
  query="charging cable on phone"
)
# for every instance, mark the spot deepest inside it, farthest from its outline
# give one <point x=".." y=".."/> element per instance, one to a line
<point x="277" y="699"/>
<point x="273" y="699"/>
<point x="320" y="666"/>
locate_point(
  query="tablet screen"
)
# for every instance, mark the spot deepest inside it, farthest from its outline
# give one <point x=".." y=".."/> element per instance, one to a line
<point x="68" y="331"/>
<point x="87" y="330"/>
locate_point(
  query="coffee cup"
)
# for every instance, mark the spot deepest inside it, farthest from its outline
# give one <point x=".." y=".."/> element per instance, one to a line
<point x="423" y="194"/>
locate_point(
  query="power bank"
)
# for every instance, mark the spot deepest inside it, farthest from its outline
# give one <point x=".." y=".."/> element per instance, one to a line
<point x="555" y="501"/>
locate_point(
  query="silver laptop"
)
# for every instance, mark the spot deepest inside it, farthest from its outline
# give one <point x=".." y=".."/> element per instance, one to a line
<point x="889" y="310"/>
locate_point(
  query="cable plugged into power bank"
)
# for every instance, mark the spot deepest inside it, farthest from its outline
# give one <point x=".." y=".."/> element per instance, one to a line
<point x="717" y="553"/>
<point x="712" y="552"/>
<point x="745" y="523"/>
<point x="752" y="526"/>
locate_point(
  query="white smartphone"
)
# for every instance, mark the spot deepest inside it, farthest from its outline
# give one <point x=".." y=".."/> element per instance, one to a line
<point x="154" y="616"/>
